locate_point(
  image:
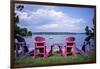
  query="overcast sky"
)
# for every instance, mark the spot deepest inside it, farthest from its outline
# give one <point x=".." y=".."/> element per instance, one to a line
<point x="40" y="18"/>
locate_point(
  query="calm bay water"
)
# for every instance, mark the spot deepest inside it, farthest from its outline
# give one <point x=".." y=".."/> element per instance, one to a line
<point x="51" y="39"/>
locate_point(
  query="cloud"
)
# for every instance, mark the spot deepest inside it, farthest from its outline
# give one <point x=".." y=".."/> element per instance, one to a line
<point x="50" y="20"/>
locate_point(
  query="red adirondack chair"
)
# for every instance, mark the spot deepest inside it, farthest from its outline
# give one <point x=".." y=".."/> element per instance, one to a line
<point x="40" y="47"/>
<point x="70" y="46"/>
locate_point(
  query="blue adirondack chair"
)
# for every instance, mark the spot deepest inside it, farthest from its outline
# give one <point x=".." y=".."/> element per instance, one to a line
<point x="22" y="47"/>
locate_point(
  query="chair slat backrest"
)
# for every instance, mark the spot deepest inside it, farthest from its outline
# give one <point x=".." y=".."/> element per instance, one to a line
<point x="70" y="41"/>
<point x="39" y="41"/>
<point x="39" y="38"/>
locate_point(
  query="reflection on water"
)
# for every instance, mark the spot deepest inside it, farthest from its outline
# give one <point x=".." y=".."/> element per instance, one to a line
<point x="50" y="39"/>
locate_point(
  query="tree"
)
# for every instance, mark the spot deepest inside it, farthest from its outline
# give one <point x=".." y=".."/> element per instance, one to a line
<point x="87" y="30"/>
<point x="30" y="33"/>
<point x="20" y="7"/>
<point x="16" y="18"/>
<point x="18" y="30"/>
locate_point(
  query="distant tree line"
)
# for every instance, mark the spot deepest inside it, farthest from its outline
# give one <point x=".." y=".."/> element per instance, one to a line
<point x="18" y="30"/>
<point x="55" y="33"/>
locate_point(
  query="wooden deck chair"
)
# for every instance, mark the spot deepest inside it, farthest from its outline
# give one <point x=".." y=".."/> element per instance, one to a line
<point x="21" y="47"/>
<point x="40" y="47"/>
<point x="70" y="47"/>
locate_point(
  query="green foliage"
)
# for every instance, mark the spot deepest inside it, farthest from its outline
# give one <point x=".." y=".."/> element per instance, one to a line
<point x="90" y="32"/>
<point x="18" y="30"/>
<point x="29" y="33"/>
<point x="87" y="30"/>
<point x="20" y="7"/>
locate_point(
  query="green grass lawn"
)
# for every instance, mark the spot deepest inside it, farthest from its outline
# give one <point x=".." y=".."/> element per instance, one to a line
<point x="54" y="59"/>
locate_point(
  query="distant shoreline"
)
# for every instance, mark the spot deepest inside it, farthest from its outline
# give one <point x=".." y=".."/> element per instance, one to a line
<point x="54" y="33"/>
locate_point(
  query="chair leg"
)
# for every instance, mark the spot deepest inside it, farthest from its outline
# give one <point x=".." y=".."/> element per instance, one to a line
<point x="65" y="54"/>
<point x="74" y="53"/>
<point x="34" y="53"/>
<point x="45" y="55"/>
<point x="45" y="58"/>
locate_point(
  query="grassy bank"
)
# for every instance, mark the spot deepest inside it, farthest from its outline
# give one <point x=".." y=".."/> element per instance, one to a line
<point x="54" y="59"/>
